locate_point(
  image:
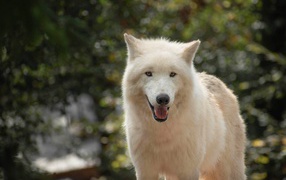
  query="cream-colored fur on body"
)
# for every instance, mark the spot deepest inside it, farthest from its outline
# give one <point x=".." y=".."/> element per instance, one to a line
<point x="204" y="135"/>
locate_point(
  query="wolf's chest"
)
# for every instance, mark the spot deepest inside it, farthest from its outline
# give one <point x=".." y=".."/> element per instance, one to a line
<point x="164" y="140"/>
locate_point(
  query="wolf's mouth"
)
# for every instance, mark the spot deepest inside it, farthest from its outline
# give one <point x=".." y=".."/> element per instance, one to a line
<point x="160" y="113"/>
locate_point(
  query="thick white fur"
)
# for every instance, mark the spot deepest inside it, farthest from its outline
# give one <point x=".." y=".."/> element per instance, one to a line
<point x="204" y="135"/>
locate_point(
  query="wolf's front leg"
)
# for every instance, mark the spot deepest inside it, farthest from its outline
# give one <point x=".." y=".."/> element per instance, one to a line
<point x="146" y="174"/>
<point x="189" y="176"/>
<point x="146" y="171"/>
<point x="146" y="177"/>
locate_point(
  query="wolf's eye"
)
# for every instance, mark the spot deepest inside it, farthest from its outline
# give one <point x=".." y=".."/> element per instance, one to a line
<point x="173" y="74"/>
<point x="148" y="73"/>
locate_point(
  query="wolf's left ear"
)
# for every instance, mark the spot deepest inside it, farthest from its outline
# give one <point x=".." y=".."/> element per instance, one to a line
<point x="132" y="46"/>
<point x="190" y="51"/>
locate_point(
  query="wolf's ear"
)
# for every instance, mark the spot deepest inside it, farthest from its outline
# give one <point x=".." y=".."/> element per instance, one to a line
<point x="190" y="51"/>
<point x="132" y="46"/>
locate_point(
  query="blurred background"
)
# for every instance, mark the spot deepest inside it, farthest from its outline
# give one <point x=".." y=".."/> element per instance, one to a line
<point x="61" y="64"/>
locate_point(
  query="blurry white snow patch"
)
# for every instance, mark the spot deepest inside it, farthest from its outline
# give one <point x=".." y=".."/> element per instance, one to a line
<point x="62" y="164"/>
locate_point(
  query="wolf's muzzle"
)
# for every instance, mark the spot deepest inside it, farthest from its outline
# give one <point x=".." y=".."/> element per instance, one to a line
<point x="163" y="99"/>
<point x="160" y="113"/>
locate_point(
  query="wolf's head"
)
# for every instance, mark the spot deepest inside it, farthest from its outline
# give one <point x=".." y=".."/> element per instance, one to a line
<point x="159" y="72"/>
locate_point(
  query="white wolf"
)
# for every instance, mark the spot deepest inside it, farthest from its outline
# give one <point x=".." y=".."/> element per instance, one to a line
<point x="179" y="124"/>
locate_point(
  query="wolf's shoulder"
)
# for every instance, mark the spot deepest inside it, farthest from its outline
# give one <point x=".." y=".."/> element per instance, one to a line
<point x="211" y="82"/>
<point x="215" y="86"/>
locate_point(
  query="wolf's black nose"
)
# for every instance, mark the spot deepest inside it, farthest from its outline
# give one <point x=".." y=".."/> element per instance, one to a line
<point x="163" y="99"/>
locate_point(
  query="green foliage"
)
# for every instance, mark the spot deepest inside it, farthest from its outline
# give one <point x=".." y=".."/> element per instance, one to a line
<point x="55" y="49"/>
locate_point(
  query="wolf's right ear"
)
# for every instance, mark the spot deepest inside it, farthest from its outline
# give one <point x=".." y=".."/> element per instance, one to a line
<point x="132" y="46"/>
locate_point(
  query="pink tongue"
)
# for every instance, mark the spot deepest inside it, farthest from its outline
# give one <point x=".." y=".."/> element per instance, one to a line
<point x="161" y="112"/>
